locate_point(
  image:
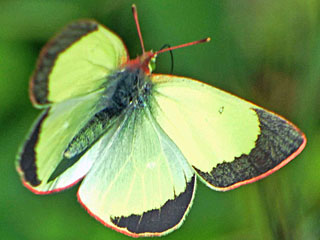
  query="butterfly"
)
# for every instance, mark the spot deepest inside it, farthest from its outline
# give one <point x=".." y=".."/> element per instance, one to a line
<point x="139" y="140"/>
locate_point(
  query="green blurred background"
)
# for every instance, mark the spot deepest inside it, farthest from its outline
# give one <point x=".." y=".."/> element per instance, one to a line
<point x="265" y="51"/>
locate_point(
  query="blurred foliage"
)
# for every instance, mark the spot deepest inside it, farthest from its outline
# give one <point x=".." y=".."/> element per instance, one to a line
<point x="265" y="51"/>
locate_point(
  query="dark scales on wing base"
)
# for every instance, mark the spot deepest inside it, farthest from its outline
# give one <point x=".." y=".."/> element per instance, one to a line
<point x="124" y="89"/>
<point x="72" y="33"/>
<point x="277" y="141"/>
<point x="159" y="220"/>
<point x="28" y="156"/>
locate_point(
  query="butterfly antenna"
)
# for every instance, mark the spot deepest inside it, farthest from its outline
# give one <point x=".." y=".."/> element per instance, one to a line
<point x="135" y="15"/>
<point x="171" y="55"/>
<point x="183" y="45"/>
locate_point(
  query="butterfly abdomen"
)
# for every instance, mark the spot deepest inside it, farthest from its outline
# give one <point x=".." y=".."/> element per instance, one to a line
<point x="99" y="124"/>
<point x="87" y="135"/>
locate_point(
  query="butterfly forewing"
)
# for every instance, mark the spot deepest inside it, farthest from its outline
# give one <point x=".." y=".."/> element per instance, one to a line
<point x="228" y="141"/>
<point x="76" y="62"/>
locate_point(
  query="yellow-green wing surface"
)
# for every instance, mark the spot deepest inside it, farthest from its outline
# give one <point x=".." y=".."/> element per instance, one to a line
<point x="228" y="141"/>
<point x="51" y="158"/>
<point x="76" y="62"/>
<point x="140" y="183"/>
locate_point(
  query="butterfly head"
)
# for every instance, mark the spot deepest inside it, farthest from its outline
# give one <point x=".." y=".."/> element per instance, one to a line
<point x="152" y="63"/>
<point x="147" y="61"/>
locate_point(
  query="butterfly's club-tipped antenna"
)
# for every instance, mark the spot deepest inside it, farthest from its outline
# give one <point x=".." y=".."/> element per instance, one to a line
<point x="183" y="45"/>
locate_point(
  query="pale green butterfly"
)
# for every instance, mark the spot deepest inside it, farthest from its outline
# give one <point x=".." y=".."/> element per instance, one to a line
<point x="138" y="140"/>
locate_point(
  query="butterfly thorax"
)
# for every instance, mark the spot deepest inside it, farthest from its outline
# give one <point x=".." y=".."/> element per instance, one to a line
<point x="130" y="85"/>
<point x="125" y="89"/>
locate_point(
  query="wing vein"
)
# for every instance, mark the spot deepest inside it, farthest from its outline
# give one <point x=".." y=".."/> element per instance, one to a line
<point x="151" y="119"/>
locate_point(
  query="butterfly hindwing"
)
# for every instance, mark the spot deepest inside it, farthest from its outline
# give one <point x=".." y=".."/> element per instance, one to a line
<point x="77" y="59"/>
<point x="43" y="162"/>
<point x="140" y="183"/>
<point x="228" y="141"/>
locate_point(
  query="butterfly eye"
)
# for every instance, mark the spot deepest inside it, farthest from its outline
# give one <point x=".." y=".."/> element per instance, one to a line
<point x="152" y="64"/>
